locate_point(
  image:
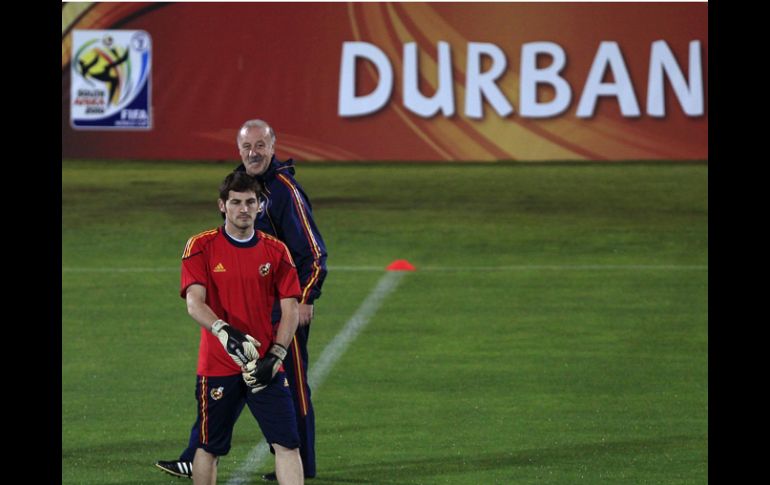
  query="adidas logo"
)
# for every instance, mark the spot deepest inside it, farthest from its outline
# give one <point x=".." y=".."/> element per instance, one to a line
<point x="219" y="268"/>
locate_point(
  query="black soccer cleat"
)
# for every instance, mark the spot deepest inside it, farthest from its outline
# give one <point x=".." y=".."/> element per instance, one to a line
<point x="181" y="469"/>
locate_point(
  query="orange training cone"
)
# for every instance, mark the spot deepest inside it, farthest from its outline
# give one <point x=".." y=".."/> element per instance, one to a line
<point x="400" y="265"/>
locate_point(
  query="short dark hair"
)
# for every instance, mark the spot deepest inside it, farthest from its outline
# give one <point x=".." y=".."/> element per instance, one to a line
<point x="239" y="182"/>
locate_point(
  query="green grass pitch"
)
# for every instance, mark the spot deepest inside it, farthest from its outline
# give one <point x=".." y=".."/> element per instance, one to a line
<point x="555" y="331"/>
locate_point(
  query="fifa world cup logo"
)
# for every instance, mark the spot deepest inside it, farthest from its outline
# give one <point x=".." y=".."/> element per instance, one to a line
<point x="105" y="63"/>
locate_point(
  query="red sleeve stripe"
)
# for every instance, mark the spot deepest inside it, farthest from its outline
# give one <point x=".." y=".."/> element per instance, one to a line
<point x="283" y="245"/>
<point x="316" y="268"/>
<point x="297" y="199"/>
<point x="288" y="255"/>
<point x="191" y="242"/>
<point x="308" y="234"/>
<point x="311" y="281"/>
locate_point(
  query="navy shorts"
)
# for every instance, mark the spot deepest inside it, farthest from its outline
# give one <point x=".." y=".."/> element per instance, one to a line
<point x="220" y="401"/>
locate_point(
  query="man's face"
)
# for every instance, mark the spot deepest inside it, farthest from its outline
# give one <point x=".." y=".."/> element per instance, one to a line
<point x="256" y="149"/>
<point x="240" y="209"/>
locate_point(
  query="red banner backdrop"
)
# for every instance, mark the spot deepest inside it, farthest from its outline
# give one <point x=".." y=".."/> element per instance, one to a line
<point x="216" y="65"/>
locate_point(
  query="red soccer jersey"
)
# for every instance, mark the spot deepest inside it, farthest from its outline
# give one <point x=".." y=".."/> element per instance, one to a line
<point x="242" y="283"/>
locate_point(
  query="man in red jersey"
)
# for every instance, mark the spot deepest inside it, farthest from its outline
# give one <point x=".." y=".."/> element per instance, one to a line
<point x="231" y="277"/>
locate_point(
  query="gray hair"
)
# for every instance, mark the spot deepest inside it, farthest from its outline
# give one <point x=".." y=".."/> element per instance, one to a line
<point x="255" y="124"/>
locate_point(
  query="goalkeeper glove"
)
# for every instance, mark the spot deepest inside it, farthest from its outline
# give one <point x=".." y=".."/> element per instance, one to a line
<point x="259" y="374"/>
<point x="242" y="348"/>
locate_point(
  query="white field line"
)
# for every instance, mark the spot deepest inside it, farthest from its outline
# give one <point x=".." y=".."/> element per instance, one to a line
<point x="515" y="267"/>
<point x="321" y="367"/>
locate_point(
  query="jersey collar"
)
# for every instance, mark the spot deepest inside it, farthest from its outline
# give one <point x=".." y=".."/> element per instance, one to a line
<point x="248" y="244"/>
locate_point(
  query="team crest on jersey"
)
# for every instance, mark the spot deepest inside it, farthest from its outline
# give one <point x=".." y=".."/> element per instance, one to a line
<point x="216" y="394"/>
<point x="264" y="269"/>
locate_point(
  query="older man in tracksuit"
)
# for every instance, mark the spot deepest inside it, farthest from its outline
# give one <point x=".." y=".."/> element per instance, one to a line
<point x="285" y="213"/>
